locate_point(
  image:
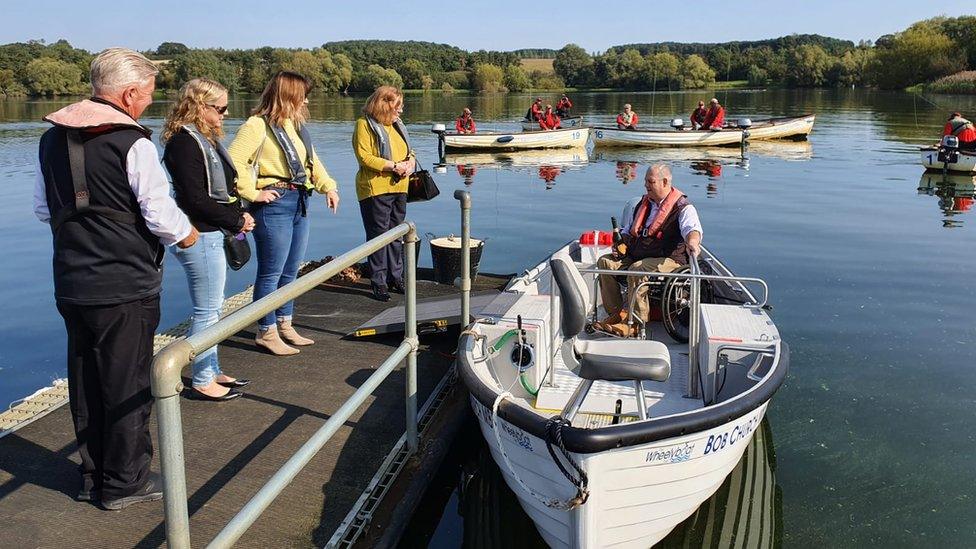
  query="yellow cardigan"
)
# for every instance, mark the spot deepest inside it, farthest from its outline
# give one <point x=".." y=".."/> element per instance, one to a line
<point x="371" y="179"/>
<point x="272" y="165"/>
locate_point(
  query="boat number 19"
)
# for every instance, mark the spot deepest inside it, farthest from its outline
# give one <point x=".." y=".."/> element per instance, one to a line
<point x="930" y="159"/>
<point x="576" y="135"/>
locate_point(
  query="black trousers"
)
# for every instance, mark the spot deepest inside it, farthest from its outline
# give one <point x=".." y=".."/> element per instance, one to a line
<point x="110" y="349"/>
<point x="380" y="214"/>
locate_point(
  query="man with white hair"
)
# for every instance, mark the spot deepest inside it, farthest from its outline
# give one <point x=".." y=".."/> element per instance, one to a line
<point x="103" y="191"/>
<point x="660" y="228"/>
<point x="715" y="117"/>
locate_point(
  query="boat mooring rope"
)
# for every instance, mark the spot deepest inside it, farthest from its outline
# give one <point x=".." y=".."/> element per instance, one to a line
<point x="581" y="492"/>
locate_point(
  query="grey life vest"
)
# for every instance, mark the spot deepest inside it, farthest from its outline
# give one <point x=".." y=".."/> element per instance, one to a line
<point x="959" y="124"/>
<point x="216" y="177"/>
<point x="301" y="173"/>
<point x="386" y="151"/>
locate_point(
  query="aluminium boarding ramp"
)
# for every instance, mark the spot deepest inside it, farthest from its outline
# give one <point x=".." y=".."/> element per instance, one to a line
<point x="433" y="315"/>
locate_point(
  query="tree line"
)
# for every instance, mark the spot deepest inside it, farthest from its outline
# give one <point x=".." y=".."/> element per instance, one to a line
<point x="926" y="51"/>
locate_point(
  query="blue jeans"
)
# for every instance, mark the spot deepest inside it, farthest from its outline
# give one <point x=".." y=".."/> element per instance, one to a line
<point x="206" y="273"/>
<point x="280" y="238"/>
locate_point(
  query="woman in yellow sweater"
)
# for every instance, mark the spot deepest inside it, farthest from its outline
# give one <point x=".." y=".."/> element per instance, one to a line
<point x="277" y="171"/>
<point x="386" y="160"/>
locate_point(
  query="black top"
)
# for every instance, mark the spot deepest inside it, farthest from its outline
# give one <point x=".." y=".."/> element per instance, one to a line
<point x="185" y="163"/>
<point x="99" y="260"/>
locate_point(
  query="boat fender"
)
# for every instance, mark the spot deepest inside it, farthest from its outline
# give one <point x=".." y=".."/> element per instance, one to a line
<point x="505" y="139"/>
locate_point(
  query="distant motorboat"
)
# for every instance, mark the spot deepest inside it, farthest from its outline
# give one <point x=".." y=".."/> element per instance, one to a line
<point x="568" y="122"/>
<point x="499" y="141"/>
<point x="738" y="131"/>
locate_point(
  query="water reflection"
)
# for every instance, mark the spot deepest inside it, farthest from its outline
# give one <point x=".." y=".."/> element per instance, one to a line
<point x="956" y="194"/>
<point x="549" y="163"/>
<point x="745" y="511"/>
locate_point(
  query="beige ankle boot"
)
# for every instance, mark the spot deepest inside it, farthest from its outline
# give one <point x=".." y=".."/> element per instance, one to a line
<point x="269" y="340"/>
<point x="289" y="334"/>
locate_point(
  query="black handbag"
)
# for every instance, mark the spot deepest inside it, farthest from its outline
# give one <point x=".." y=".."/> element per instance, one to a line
<point x="236" y="250"/>
<point x="421" y="186"/>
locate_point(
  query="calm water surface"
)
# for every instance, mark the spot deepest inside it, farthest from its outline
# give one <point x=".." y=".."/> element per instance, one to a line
<point x="870" y="264"/>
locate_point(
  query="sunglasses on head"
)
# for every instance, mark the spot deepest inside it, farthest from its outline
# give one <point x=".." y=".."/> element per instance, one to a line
<point x="220" y="110"/>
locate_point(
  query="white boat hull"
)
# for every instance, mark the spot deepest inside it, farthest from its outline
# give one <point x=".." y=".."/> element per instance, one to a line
<point x="674" y="477"/>
<point x="777" y="128"/>
<point x="491" y="141"/>
<point x="966" y="162"/>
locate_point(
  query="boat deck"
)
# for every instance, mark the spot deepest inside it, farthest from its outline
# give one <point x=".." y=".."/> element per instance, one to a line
<point x="233" y="448"/>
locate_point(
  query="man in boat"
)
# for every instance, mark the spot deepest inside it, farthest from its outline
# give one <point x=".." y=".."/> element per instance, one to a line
<point x="656" y="237"/>
<point x="715" y="117"/>
<point x="535" y="111"/>
<point x="103" y="191"/>
<point x="549" y="121"/>
<point x="563" y="106"/>
<point x="627" y="120"/>
<point x="698" y="116"/>
<point x="465" y="124"/>
<point x="961" y="128"/>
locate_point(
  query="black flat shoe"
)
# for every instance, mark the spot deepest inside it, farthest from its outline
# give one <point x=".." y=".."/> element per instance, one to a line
<point x="193" y="394"/>
<point x="237" y="383"/>
<point x="396" y="287"/>
<point x="380" y="293"/>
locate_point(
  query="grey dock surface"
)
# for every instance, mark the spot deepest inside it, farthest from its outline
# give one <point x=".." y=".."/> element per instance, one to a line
<point x="233" y="448"/>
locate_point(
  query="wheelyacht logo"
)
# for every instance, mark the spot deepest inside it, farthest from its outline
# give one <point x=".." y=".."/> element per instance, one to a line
<point x="674" y="454"/>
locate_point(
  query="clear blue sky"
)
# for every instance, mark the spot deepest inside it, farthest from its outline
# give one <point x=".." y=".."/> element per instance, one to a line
<point x="497" y="25"/>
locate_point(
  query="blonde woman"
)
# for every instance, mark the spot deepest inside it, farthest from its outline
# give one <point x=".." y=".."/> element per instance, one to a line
<point x="204" y="185"/>
<point x="386" y="160"/>
<point x="277" y="171"/>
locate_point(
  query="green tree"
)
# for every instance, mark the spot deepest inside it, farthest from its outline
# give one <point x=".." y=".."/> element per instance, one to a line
<point x="919" y="54"/>
<point x="757" y="76"/>
<point x="49" y="76"/>
<point x="171" y="49"/>
<point x="375" y="76"/>
<point x="9" y="86"/>
<point x="306" y="64"/>
<point x="809" y="66"/>
<point x="630" y="66"/>
<point x="489" y="78"/>
<point x="695" y="73"/>
<point x="413" y="71"/>
<point x="573" y="65"/>
<point x="546" y="81"/>
<point x="516" y="79"/>
<point x="853" y="68"/>
<point x="204" y="64"/>
<point x="660" y="71"/>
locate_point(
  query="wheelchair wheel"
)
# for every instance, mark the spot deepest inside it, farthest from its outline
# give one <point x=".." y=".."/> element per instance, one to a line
<point x="676" y="304"/>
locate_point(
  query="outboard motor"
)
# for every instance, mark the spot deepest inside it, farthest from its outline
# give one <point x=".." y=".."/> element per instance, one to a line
<point x="744" y="124"/>
<point x="439" y="130"/>
<point x="678" y="124"/>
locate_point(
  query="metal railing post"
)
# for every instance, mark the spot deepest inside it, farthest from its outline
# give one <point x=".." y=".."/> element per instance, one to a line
<point x="410" y="336"/>
<point x="166" y="386"/>
<point x="464" y="197"/>
<point x="693" y="320"/>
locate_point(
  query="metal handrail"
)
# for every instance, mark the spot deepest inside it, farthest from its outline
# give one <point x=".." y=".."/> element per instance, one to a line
<point x="691" y="276"/>
<point x="170" y="361"/>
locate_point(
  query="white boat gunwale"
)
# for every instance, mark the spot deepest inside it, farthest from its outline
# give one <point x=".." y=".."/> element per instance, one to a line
<point x="757" y="124"/>
<point x="590" y="441"/>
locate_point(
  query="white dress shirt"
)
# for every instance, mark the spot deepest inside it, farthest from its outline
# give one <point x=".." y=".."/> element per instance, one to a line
<point x="150" y="186"/>
<point x="687" y="219"/>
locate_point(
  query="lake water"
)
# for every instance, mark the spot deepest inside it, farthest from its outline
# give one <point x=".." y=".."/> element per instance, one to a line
<point x="870" y="264"/>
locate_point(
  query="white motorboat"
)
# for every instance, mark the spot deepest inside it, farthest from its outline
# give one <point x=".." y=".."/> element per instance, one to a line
<point x="947" y="157"/>
<point x="738" y="130"/>
<point x="568" y="122"/>
<point x="648" y="428"/>
<point x="500" y="141"/>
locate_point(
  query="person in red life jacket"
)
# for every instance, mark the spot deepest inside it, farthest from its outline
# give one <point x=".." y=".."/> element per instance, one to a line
<point x="465" y="124"/>
<point x="535" y="111"/>
<point x="961" y="128"/>
<point x="563" y="106"/>
<point x="715" y="117"/>
<point x="549" y="120"/>
<point x="698" y="116"/>
<point x="660" y="229"/>
<point x="627" y="120"/>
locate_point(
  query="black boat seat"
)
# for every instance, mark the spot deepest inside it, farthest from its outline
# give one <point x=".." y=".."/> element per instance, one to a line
<point x="623" y="360"/>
